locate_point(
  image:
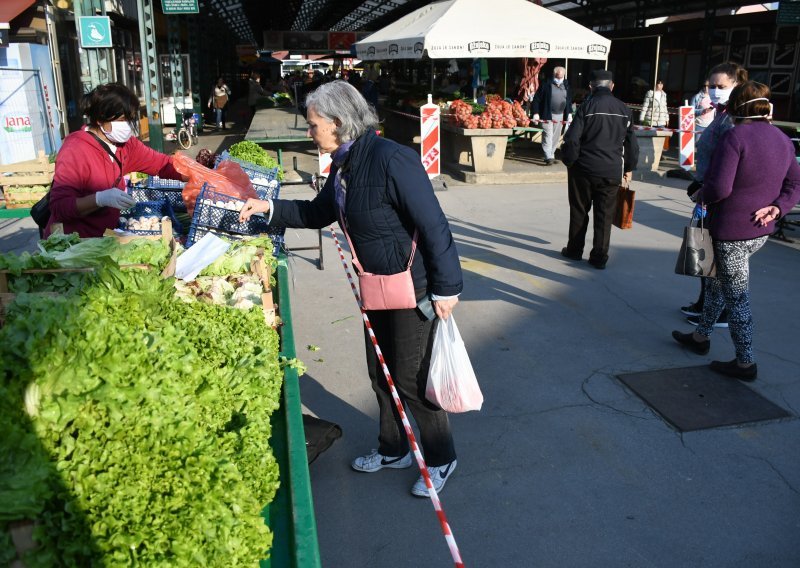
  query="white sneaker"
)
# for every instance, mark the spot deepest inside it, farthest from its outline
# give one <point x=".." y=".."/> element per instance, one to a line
<point x="375" y="461"/>
<point x="439" y="476"/>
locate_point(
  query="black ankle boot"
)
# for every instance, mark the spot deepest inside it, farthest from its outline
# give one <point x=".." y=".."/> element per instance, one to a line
<point x="688" y="341"/>
<point x="732" y="369"/>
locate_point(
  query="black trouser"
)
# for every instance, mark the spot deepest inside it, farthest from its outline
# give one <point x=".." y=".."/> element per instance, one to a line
<point x="585" y="191"/>
<point x="406" y="338"/>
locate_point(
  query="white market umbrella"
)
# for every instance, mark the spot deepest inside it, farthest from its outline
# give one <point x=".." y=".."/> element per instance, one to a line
<point x="455" y="29"/>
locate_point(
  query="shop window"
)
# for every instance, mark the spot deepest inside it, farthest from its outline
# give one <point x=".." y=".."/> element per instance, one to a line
<point x="763" y="33"/>
<point x="717" y="55"/>
<point x="787" y="34"/>
<point x="760" y="76"/>
<point x="738" y="45"/>
<point x="784" y="55"/>
<point x="780" y="83"/>
<point x="759" y="55"/>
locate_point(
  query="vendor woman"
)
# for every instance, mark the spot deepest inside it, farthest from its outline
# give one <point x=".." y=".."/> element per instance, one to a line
<point x="88" y="188"/>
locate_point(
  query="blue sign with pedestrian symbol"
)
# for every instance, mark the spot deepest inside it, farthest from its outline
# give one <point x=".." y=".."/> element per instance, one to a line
<point x="95" y="31"/>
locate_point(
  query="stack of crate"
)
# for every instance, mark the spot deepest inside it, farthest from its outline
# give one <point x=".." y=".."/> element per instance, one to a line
<point x="25" y="183"/>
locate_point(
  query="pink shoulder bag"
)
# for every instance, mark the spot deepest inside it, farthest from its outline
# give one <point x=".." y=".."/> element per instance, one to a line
<point x="385" y="291"/>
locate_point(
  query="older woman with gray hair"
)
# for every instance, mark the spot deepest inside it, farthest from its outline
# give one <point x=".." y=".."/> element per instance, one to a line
<point x="384" y="201"/>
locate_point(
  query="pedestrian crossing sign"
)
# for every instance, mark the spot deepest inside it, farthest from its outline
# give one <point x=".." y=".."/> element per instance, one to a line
<point x="95" y="31"/>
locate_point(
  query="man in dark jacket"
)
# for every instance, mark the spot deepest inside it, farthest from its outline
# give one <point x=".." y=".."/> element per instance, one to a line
<point x="552" y="102"/>
<point x="599" y="150"/>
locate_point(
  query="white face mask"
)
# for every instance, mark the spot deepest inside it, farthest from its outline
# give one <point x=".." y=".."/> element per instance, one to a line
<point x="120" y="132"/>
<point x="719" y="96"/>
<point x="557" y="81"/>
<point x="755" y="115"/>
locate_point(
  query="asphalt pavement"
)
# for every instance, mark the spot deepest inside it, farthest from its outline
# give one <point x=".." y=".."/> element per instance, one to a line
<point x="563" y="466"/>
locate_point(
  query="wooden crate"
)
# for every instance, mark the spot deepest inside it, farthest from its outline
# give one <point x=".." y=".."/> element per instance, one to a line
<point x="18" y="197"/>
<point x="18" y="179"/>
<point x="32" y="172"/>
<point x="260" y="269"/>
<point x="6" y="297"/>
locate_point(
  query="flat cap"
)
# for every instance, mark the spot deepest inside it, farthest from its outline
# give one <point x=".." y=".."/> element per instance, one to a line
<point x="602" y="75"/>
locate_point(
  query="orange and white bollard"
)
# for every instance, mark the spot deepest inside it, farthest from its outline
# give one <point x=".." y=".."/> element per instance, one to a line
<point x="325" y="161"/>
<point x="430" y="148"/>
<point x="686" y="135"/>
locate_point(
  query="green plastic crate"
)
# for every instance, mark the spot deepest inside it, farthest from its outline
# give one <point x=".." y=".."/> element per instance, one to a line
<point x="291" y="514"/>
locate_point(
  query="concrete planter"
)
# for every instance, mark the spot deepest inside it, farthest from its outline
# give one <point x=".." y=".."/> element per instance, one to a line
<point x="651" y="146"/>
<point x="482" y="148"/>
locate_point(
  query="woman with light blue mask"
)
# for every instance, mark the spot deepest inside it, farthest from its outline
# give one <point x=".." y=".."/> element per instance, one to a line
<point x="753" y="180"/>
<point x="721" y="80"/>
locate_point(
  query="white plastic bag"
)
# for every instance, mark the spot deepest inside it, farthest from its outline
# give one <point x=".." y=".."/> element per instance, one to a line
<point x="451" y="381"/>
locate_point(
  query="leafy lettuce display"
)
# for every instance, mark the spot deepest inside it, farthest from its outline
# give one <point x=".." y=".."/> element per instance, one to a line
<point x="255" y="154"/>
<point x="136" y="426"/>
<point x="69" y="251"/>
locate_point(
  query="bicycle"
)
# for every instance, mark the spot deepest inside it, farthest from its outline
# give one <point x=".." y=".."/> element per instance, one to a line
<point x="186" y="133"/>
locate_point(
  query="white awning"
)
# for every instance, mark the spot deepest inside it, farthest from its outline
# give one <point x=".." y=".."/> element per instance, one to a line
<point x="483" y="28"/>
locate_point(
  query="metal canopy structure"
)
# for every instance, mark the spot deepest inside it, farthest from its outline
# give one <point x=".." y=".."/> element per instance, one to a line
<point x="371" y="15"/>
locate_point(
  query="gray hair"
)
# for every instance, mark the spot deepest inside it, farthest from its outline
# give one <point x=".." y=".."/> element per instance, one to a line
<point x="559" y="68"/>
<point x="339" y="100"/>
<point x="602" y="83"/>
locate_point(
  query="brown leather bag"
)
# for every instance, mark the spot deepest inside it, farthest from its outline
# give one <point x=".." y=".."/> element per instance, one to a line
<point x="220" y="102"/>
<point x="623" y="217"/>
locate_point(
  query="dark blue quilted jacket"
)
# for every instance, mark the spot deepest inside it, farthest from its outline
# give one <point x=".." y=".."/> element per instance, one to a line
<point x="388" y="196"/>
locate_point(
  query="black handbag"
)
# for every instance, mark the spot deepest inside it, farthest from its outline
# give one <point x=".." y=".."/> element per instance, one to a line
<point x="320" y="435"/>
<point x="41" y="211"/>
<point x="696" y="257"/>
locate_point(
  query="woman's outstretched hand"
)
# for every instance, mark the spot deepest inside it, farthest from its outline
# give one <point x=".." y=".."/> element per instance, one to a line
<point x="766" y="215"/>
<point x="251" y="207"/>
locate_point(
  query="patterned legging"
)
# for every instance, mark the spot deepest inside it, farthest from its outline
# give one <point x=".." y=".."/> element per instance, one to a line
<point x="731" y="288"/>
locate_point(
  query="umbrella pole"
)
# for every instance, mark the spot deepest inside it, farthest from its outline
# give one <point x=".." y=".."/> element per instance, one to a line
<point x="431" y="76"/>
<point x="658" y="50"/>
<point x="505" y="78"/>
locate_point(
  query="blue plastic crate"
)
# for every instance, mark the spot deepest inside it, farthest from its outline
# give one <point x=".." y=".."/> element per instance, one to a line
<point x="196" y="233"/>
<point x="156" y="182"/>
<point x="253" y="171"/>
<point x="147" y="194"/>
<point x="219" y="211"/>
<point x="158" y="209"/>
<point x="267" y="191"/>
<point x="158" y="189"/>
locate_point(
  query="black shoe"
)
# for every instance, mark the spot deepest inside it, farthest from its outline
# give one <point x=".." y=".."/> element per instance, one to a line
<point x="598" y="264"/>
<point x="572" y="256"/>
<point x="548" y="162"/>
<point x="722" y="320"/>
<point x="695" y="309"/>
<point x="732" y="369"/>
<point x="688" y="341"/>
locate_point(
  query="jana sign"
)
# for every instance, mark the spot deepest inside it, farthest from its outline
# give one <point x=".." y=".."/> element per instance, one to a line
<point x="95" y="31"/>
<point x="180" y="6"/>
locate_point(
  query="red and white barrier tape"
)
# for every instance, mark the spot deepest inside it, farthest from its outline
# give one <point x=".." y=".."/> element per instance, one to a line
<point x="412" y="440"/>
<point x="635" y="126"/>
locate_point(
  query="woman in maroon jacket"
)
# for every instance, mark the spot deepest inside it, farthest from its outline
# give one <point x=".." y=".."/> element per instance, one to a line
<point x="88" y="187"/>
<point x="752" y="181"/>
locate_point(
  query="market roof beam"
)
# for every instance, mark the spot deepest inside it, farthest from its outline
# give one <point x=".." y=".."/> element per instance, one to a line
<point x="393" y="16"/>
<point x="368" y="11"/>
<point x="308" y="11"/>
<point x="585" y="11"/>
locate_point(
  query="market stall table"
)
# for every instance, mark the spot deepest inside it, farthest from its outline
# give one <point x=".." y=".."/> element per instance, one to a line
<point x="278" y="125"/>
<point x="15" y="213"/>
